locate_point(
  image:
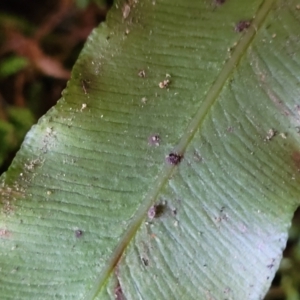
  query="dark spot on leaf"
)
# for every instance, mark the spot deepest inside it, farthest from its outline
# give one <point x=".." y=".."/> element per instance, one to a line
<point x="242" y="25"/>
<point x="78" y="233"/>
<point x="145" y="261"/>
<point x="156" y="211"/>
<point x="119" y="292"/>
<point x="271" y="265"/>
<point x="174" y="158"/>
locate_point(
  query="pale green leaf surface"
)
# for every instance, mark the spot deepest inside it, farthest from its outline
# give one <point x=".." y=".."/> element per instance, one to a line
<point x="88" y="164"/>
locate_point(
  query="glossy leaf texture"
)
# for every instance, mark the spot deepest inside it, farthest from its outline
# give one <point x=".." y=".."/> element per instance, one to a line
<point x="169" y="169"/>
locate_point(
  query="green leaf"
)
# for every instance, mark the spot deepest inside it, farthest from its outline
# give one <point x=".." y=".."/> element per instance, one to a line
<point x="162" y="77"/>
<point x="12" y="65"/>
<point x="12" y="131"/>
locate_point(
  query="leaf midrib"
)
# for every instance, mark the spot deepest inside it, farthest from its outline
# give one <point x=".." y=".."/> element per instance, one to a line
<point x="211" y="97"/>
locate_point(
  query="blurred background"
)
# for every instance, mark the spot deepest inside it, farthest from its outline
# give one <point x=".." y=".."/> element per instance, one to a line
<point x="39" y="43"/>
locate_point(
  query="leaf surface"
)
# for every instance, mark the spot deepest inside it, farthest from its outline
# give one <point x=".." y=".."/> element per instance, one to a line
<point x="169" y="106"/>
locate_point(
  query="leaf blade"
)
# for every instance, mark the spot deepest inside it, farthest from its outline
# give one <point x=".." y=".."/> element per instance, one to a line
<point x="94" y="148"/>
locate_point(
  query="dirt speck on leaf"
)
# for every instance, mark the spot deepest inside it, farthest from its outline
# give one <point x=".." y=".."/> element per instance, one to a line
<point x="271" y="133"/>
<point x="164" y="84"/>
<point x="174" y="158"/>
<point x="4" y="233"/>
<point x="32" y="164"/>
<point x="154" y="140"/>
<point x="242" y="25"/>
<point x="283" y="135"/>
<point x="84" y="85"/>
<point x="119" y="295"/>
<point x="83" y="106"/>
<point x="145" y="261"/>
<point x="197" y="156"/>
<point x="156" y="210"/>
<point x="126" y="10"/>
<point x="142" y="73"/>
<point x="78" y="233"/>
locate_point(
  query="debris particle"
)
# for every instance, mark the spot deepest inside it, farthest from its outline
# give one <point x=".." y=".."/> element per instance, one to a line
<point x="144" y="100"/>
<point x="227" y="290"/>
<point x="152" y="212"/>
<point x="119" y="292"/>
<point x="242" y="25"/>
<point x="154" y="140"/>
<point x="283" y="135"/>
<point x="49" y="130"/>
<point x="78" y="233"/>
<point x="274" y="36"/>
<point x="83" y="106"/>
<point x="84" y="85"/>
<point x="156" y="210"/>
<point x="164" y="84"/>
<point x="197" y="156"/>
<point x="127" y="31"/>
<point x="174" y="158"/>
<point x="298" y="6"/>
<point x="271" y="133"/>
<point x="126" y="10"/>
<point x="271" y="265"/>
<point x="49" y="193"/>
<point x="142" y="74"/>
<point x="4" y="233"/>
<point x="230" y="49"/>
<point x="145" y="262"/>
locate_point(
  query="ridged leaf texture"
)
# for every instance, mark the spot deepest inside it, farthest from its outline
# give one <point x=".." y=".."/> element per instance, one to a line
<point x="169" y="169"/>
